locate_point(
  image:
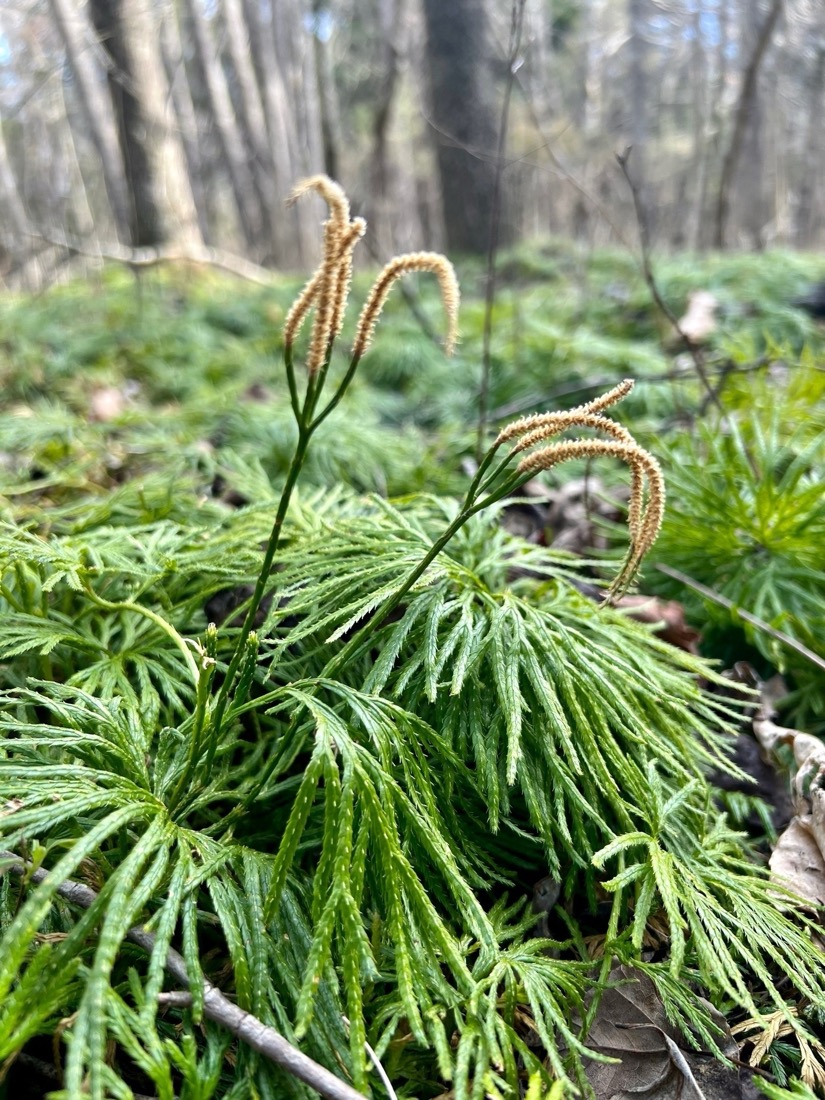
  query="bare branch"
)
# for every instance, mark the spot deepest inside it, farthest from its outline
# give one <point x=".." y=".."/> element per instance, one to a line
<point x="152" y="257"/>
<point x="754" y="620"/>
<point x="694" y="350"/>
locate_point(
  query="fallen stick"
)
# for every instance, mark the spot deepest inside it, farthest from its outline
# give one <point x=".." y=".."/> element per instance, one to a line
<point x="754" y="620"/>
<point x="216" y="1006"/>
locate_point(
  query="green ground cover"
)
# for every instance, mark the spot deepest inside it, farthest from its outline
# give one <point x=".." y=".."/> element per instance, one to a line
<point x="361" y="838"/>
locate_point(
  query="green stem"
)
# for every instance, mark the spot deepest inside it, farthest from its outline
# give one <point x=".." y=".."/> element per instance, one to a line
<point x="167" y="628"/>
<point x="306" y="427"/>
<point x="295" y="401"/>
<point x="304" y="435"/>
<point x="11" y="599"/>
<point x="339" y="660"/>
<point x="339" y="393"/>
<point x="607" y="960"/>
<point x="204" y="684"/>
<point x="468" y="510"/>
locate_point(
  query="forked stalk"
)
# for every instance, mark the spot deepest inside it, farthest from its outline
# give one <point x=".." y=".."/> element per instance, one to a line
<point x="325" y="296"/>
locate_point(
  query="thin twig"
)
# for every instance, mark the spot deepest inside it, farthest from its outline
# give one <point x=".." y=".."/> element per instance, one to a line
<point x="564" y="173"/>
<point x="216" y="1006"/>
<point x="516" y="25"/>
<point x="693" y="348"/>
<point x="754" y="620"/>
<point x="379" y="1069"/>
<point x="524" y="405"/>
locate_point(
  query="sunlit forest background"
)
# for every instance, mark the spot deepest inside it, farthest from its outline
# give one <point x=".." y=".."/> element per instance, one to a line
<point x="184" y="124"/>
<point x="380" y="717"/>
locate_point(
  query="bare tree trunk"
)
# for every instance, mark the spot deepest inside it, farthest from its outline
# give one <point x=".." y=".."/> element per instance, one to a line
<point x="328" y="99"/>
<point x="463" y="121"/>
<point x="247" y="201"/>
<point x="639" y="95"/>
<point x="702" y="91"/>
<point x="187" y="121"/>
<point x="745" y="109"/>
<point x="381" y="198"/>
<point x="97" y="110"/>
<point x="15" y="243"/>
<point x="295" y="54"/>
<point x="82" y="222"/>
<point x="808" y="218"/>
<point x="253" y="120"/>
<point x="162" y="207"/>
<point x="295" y="224"/>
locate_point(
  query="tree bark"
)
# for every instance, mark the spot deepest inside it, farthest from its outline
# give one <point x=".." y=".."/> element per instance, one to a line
<point x="162" y="206"/>
<point x="252" y="118"/>
<point x="462" y="120"/>
<point x="639" y="95"/>
<point x="381" y="204"/>
<point x="187" y="120"/>
<point x="327" y="97"/>
<point x="808" y="218"/>
<point x="96" y="109"/>
<point x="744" y="112"/>
<point x="247" y="201"/>
<point x="15" y="244"/>
<point x="295" y="225"/>
<point x="294" y="57"/>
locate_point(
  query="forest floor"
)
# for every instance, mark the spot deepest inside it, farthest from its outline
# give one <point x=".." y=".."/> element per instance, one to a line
<point x="157" y="403"/>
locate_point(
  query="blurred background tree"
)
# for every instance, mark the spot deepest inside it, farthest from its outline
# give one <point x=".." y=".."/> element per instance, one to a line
<point x="182" y="123"/>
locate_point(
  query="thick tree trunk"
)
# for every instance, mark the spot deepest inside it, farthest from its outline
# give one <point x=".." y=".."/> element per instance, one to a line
<point x="381" y="196"/>
<point x="235" y="157"/>
<point x="295" y="225"/>
<point x="809" y="215"/>
<point x="253" y="122"/>
<point x="96" y="108"/>
<point x="463" y="120"/>
<point x="327" y="94"/>
<point x="15" y="244"/>
<point x="701" y="87"/>
<point x="744" y="113"/>
<point x="639" y="107"/>
<point x="162" y="206"/>
<point x="187" y="121"/>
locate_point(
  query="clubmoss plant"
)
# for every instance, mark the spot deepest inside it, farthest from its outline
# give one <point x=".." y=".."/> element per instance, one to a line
<point x="335" y="809"/>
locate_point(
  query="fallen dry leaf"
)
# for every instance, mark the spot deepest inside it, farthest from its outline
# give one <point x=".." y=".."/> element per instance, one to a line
<point x="668" y="614"/>
<point x="631" y="1025"/>
<point x="797" y="862"/>
<point x="699" y="320"/>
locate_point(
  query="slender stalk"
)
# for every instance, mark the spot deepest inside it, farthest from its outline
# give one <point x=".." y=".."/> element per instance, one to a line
<point x="607" y="961"/>
<point x="290" y="379"/>
<point x="339" y="393"/>
<point x="201" y="708"/>
<point x="516" y="24"/>
<point x="304" y="435"/>
<point x="340" y="659"/>
<point x="754" y="620"/>
<point x="469" y="509"/>
<point x="167" y="628"/>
